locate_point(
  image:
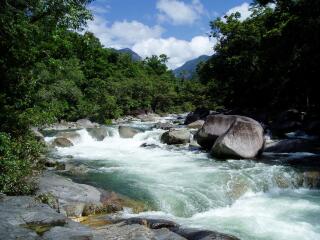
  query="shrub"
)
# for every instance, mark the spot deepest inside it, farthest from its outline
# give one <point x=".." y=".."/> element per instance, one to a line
<point x="18" y="163"/>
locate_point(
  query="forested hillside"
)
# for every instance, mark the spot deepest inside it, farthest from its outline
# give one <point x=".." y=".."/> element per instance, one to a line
<point x="49" y="71"/>
<point x="270" y="61"/>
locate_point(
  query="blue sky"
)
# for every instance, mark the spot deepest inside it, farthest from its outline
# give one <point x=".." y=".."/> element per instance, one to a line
<point x="177" y="28"/>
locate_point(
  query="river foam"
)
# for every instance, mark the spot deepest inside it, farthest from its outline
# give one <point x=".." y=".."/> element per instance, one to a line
<point x="248" y="199"/>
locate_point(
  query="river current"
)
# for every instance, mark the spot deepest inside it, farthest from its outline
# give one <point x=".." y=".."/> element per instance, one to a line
<point x="245" y="198"/>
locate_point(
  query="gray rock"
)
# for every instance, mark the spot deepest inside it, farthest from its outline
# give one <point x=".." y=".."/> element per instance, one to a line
<point x="98" y="133"/>
<point x="197" y="124"/>
<point x="293" y="145"/>
<point x="61" y="142"/>
<point x="72" y="136"/>
<point x="198" y="234"/>
<point x="176" y="136"/>
<point x="244" y="139"/>
<point x="26" y="210"/>
<point x="72" y="233"/>
<point x="76" y="170"/>
<point x="214" y="126"/>
<point x="11" y="232"/>
<point x="66" y="190"/>
<point x="73" y="209"/>
<point x="127" y="132"/>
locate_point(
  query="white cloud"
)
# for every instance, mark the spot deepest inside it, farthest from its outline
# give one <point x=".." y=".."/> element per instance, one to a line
<point x="178" y="51"/>
<point x="122" y="34"/>
<point x="243" y="9"/>
<point x="178" y="12"/>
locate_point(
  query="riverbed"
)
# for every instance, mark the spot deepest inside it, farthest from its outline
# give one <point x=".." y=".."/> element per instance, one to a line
<point x="246" y="198"/>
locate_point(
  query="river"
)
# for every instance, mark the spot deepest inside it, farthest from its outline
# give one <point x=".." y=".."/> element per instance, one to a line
<point x="245" y="198"/>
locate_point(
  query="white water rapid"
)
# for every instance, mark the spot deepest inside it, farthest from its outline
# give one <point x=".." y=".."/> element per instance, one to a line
<point x="248" y="199"/>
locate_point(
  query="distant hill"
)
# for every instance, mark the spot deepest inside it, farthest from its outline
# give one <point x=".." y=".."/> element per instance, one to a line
<point x="188" y="69"/>
<point x="134" y="55"/>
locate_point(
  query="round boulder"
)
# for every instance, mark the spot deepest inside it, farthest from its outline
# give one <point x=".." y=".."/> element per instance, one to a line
<point x="174" y="136"/>
<point x="127" y="132"/>
<point x="244" y="139"/>
<point x="61" y="142"/>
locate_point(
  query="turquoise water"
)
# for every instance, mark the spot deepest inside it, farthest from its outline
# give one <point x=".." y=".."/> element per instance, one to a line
<point x="248" y="199"/>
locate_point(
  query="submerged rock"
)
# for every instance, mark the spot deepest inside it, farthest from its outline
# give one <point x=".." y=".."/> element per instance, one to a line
<point x="174" y="136"/>
<point x="62" y="142"/>
<point x="127" y="132"/>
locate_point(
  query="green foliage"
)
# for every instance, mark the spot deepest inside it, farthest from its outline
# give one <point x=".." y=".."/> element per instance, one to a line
<point x="18" y="161"/>
<point x="269" y="61"/>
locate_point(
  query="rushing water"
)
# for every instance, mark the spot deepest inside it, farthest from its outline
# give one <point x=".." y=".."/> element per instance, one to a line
<point x="248" y="199"/>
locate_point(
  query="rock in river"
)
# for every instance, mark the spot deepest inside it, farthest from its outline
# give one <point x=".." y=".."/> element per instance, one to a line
<point x="231" y="136"/>
<point x="127" y="132"/>
<point x="175" y="136"/>
<point x="62" y="142"/>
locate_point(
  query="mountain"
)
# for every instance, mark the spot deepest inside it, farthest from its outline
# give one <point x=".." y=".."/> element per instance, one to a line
<point x="188" y="69"/>
<point x="134" y="55"/>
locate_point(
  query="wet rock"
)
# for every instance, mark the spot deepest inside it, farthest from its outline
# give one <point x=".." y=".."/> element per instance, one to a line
<point x="69" y="233"/>
<point x="312" y="127"/>
<point x="214" y="126"/>
<point x="293" y="145"/>
<point x="24" y="210"/>
<point x="61" y="142"/>
<point x="148" y="145"/>
<point x="175" y="136"/>
<point x="198" y="114"/>
<point x="197" y="124"/>
<point x="127" y="132"/>
<point x="165" y="126"/>
<point x="244" y="139"/>
<point x="73" y="209"/>
<point x="76" y="170"/>
<point x="98" y="133"/>
<point x="311" y="179"/>
<point x="12" y="232"/>
<point x="150" y="223"/>
<point x="86" y="123"/>
<point x="72" y="136"/>
<point x="196" y="234"/>
<point x="49" y="199"/>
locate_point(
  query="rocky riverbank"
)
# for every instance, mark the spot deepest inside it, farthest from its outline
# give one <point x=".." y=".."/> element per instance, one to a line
<point x="60" y="204"/>
<point x="64" y="209"/>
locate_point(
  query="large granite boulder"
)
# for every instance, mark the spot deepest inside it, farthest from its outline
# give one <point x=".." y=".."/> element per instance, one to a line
<point x="231" y="136"/>
<point x="176" y="136"/>
<point x="244" y="139"/>
<point x="214" y="126"/>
